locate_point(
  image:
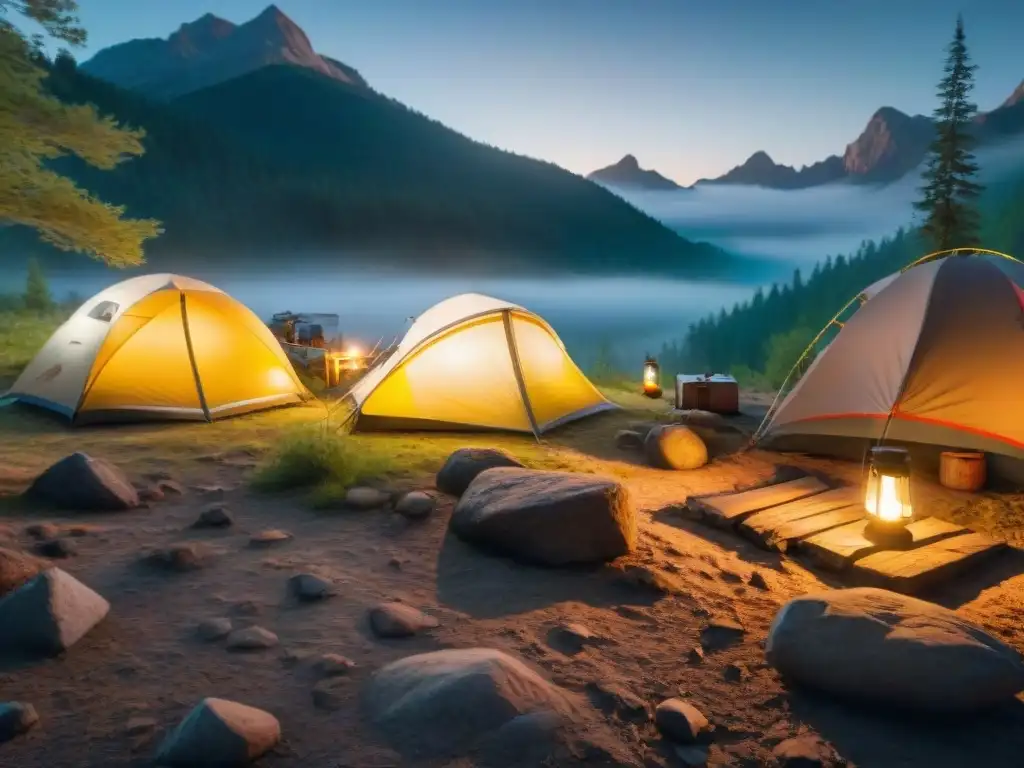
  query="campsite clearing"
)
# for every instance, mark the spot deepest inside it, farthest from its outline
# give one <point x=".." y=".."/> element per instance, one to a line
<point x="637" y="623"/>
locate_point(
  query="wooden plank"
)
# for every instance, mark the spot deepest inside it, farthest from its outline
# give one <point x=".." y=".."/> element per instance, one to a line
<point x="911" y="571"/>
<point x="785" y="535"/>
<point x="761" y="526"/>
<point x="725" y="509"/>
<point x="837" y="548"/>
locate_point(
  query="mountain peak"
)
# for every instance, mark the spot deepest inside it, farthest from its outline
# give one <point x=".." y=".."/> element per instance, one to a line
<point x="1016" y="97"/>
<point x="628" y="173"/>
<point x="211" y="50"/>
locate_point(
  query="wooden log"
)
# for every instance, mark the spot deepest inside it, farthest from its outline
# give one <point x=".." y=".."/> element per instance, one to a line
<point x="723" y="510"/>
<point x="760" y="527"/>
<point x="838" y="548"/>
<point x="917" y="569"/>
<point x="962" y="470"/>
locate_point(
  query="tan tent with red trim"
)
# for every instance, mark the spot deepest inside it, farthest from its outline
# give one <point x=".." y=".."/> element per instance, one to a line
<point x="934" y="356"/>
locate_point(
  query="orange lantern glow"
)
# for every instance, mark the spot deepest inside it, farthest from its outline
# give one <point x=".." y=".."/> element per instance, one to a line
<point x="652" y="377"/>
<point x="887" y="496"/>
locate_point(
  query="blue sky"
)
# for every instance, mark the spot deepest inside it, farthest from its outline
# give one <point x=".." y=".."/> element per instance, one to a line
<point x="690" y="88"/>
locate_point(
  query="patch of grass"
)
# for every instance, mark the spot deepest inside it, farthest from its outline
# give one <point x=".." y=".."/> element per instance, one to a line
<point x="22" y="333"/>
<point x="322" y="461"/>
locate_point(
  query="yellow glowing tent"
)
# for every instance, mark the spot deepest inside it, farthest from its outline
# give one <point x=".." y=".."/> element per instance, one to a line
<point x="159" y="347"/>
<point x="474" y="362"/>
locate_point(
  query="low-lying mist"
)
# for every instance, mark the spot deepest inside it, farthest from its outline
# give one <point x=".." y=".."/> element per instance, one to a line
<point x="808" y="224"/>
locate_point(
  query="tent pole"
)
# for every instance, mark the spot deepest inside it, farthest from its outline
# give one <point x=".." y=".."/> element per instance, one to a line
<point x="513" y="350"/>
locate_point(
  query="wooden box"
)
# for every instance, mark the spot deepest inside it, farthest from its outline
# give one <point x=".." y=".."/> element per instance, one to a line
<point x="715" y="393"/>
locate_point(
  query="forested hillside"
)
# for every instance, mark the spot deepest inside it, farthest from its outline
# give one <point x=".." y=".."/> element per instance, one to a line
<point x="288" y="161"/>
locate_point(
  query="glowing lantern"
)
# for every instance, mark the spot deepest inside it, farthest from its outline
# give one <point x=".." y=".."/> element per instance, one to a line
<point x="887" y="496"/>
<point x="652" y="377"/>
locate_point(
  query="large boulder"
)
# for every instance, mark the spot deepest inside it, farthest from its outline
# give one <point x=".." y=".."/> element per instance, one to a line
<point x="446" y="702"/>
<point x="220" y="734"/>
<point x="878" y="646"/>
<point x="83" y="483"/>
<point x="464" y="465"/>
<point x="49" y="614"/>
<point x="550" y="518"/>
<point x="673" y="446"/>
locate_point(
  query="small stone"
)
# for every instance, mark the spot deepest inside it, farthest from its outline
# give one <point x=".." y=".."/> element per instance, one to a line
<point x="309" y="587"/>
<point x="415" y="505"/>
<point x="696" y="655"/>
<point x="757" y="581"/>
<point x="149" y="492"/>
<point x="333" y="665"/>
<point x="189" y="556"/>
<point x="805" y="751"/>
<point x="721" y="633"/>
<point x="629" y="440"/>
<point x="572" y="637"/>
<point x="620" y="699"/>
<point x="399" y="620"/>
<point x="214" y="629"/>
<point x="330" y="694"/>
<point x="214" y="516"/>
<point x="680" y="721"/>
<point x="55" y="548"/>
<point x="365" y="498"/>
<point x="220" y="734"/>
<point x="251" y="639"/>
<point x="730" y="576"/>
<point x="170" y="487"/>
<point x="734" y="673"/>
<point x="16" y="718"/>
<point x="140" y="726"/>
<point x="43" y="531"/>
<point x="269" y="537"/>
<point x="692" y="756"/>
<point x="395" y="563"/>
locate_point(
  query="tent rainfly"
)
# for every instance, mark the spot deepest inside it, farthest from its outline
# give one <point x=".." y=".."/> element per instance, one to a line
<point x="931" y="357"/>
<point x="159" y="347"/>
<point x="473" y="362"/>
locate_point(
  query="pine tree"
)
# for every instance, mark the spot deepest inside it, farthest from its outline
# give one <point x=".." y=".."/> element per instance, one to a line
<point x="37" y="292"/>
<point x="36" y="128"/>
<point x="949" y="194"/>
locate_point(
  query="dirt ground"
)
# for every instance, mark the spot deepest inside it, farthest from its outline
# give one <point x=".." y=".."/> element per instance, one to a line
<point x="146" y="661"/>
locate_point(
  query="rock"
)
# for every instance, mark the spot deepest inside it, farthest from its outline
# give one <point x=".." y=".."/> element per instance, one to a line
<point x="185" y="556"/>
<point x="415" y="505"/>
<point x="220" y="734"/>
<point x="628" y="440"/>
<point x="331" y="694"/>
<point x="80" y="482"/>
<point x="572" y="637"/>
<point x="692" y="756"/>
<point x="445" y="701"/>
<point x="721" y="633"/>
<point x="757" y="581"/>
<point x="611" y="695"/>
<point x="49" y="614"/>
<point x="526" y="740"/>
<point x="333" y="665"/>
<point x="140" y="726"/>
<point x="464" y="465"/>
<point x="805" y="751"/>
<point x="214" y="629"/>
<point x="149" y="493"/>
<point x="170" y="487"/>
<point x="16" y="718"/>
<point x="680" y="721"/>
<point x="877" y="646"/>
<point x="56" y="548"/>
<point x="269" y="537"/>
<point x="696" y="655"/>
<point x="399" y="620"/>
<point x="214" y="516"/>
<point x="251" y="639"/>
<point x="17" y="568"/>
<point x="365" y="498"/>
<point x="308" y="587"/>
<point x="43" y="531"/>
<point x="550" y="518"/>
<point x="734" y="673"/>
<point x="675" y="447"/>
